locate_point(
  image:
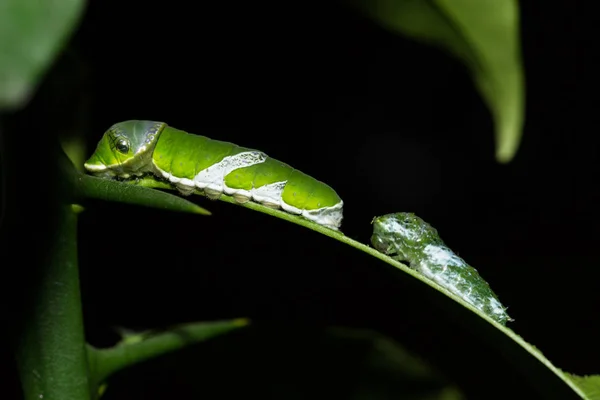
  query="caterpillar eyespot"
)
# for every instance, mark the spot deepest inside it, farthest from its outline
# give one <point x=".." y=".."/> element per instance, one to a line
<point x="407" y="238"/>
<point x="193" y="162"/>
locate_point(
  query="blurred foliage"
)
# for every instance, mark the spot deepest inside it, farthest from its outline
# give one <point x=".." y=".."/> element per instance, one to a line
<point x="294" y="362"/>
<point x="32" y="33"/>
<point x="484" y="35"/>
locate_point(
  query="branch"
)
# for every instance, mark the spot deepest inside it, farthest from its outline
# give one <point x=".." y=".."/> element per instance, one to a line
<point x="137" y="348"/>
<point x="50" y="348"/>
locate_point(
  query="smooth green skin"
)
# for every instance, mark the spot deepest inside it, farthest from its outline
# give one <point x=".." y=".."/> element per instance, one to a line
<point x="153" y="145"/>
<point x="139" y="136"/>
<point x="407" y="238"/>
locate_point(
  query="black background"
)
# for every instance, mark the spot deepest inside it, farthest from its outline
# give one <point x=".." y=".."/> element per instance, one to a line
<point x="391" y="124"/>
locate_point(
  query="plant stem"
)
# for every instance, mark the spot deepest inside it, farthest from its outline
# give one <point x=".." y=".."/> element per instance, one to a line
<point x="51" y="354"/>
<point x="137" y="348"/>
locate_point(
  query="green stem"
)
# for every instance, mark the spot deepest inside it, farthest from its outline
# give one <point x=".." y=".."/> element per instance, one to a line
<point x="137" y="348"/>
<point x="51" y="353"/>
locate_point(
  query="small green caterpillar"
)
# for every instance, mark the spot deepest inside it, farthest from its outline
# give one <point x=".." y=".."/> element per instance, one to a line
<point x="406" y="237"/>
<point x="192" y="162"/>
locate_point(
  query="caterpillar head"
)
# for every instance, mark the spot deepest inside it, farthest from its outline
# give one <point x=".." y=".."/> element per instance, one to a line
<point x="402" y="234"/>
<point x="125" y="149"/>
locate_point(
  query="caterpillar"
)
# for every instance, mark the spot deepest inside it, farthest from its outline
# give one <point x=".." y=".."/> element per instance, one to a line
<point x="407" y="238"/>
<point x="190" y="162"/>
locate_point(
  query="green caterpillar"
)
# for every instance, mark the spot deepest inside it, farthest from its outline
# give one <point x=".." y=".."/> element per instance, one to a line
<point x="192" y="162"/>
<point x="407" y="238"/>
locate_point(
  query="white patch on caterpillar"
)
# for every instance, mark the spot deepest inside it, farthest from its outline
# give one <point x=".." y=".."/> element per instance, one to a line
<point x="186" y="182"/>
<point x="168" y="176"/>
<point x="212" y="177"/>
<point x="441" y="255"/>
<point x="270" y="193"/>
<point x="328" y="216"/>
<point x="95" y="167"/>
<point x="289" y="208"/>
<point x="211" y="180"/>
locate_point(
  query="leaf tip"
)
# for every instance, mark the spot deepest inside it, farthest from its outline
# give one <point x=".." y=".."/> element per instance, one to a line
<point x="506" y="152"/>
<point x="77" y="208"/>
<point x="241" y="322"/>
<point x="201" y="211"/>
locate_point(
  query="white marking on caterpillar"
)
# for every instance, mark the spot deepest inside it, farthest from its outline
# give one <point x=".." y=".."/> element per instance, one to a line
<point x="270" y="193"/>
<point x="289" y="208"/>
<point x="330" y="216"/>
<point x="436" y="255"/>
<point x="213" y="177"/>
<point x="95" y="167"/>
<point x="212" y="181"/>
<point x="186" y="182"/>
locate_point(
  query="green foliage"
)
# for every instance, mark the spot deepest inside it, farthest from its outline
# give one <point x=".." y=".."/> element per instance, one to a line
<point x="54" y="361"/>
<point x="484" y="35"/>
<point x="89" y="187"/>
<point x="31" y="35"/>
<point x="539" y="369"/>
<point x="301" y="363"/>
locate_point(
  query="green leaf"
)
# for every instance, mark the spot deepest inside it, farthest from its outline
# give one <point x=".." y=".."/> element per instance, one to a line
<point x="112" y="190"/>
<point x="531" y="363"/>
<point x="590" y="385"/>
<point x="485" y="36"/>
<point x="32" y="32"/>
<point x="74" y="147"/>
